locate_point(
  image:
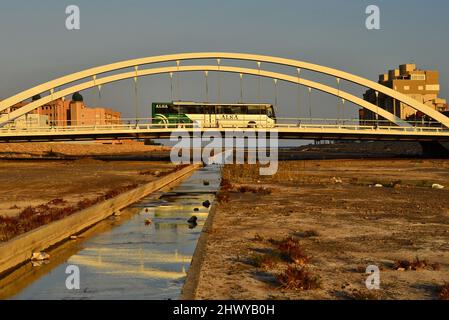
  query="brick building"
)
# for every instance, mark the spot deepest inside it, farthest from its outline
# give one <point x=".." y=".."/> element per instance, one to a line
<point x="63" y="112"/>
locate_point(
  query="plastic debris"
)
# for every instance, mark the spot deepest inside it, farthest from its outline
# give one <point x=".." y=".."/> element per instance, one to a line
<point x="336" y="180"/>
<point x="378" y="185"/>
<point x="40" y="256"/>
<point x="437" y="186"/>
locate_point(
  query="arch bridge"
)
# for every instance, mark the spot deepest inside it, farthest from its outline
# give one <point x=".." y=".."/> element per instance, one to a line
<point x="397" y="129"/>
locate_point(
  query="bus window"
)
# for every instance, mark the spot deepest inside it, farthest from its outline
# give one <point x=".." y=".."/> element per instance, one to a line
<point x="174" y="109"/>
<point x="256" y="110"/>
<point x="236" y="109"/>
<point x="224" y="110"/>
<point x="192" y="109"/>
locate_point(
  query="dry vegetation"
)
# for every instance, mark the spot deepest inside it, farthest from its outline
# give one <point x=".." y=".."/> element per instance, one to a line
<point x="330" y="222"/>
<point x="287" y="261"/>
<point x="56" y="209"/>
<point x="415" y="265"/>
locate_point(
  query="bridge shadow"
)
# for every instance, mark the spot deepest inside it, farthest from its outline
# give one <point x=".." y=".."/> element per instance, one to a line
<point x="434" y="149"/>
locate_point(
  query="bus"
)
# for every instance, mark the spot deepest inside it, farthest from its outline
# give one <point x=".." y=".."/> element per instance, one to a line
<point x="214" y="115"/>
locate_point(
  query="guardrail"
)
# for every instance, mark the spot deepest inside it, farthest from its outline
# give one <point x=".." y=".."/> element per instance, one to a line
<point x="236" y="124"/>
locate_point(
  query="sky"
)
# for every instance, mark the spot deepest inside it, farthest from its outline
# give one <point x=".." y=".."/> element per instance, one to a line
<point x="36" y="46"/>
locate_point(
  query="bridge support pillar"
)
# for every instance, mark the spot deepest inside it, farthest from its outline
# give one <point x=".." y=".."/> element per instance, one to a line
<point x="434" y="149"/>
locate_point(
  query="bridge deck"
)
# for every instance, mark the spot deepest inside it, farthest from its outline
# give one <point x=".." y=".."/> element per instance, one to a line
<point x="284" y="131"/>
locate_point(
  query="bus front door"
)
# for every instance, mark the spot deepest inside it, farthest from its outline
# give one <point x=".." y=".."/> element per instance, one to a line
<point x="209" y="117"/>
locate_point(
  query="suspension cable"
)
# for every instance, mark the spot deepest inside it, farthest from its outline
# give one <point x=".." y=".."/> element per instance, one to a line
<point x="171" y="86"/>
<point x="99" y="92"/>
<point x="94" y="78"/>
<point x="218" y="82"/>
<point x="241" y="88"/>
<point x="178" y="87"/>
<point x="298" y="70"/>
<point x="275" y="92"/>
<point x="258" y="82"/>
<point x="394" y="106"/>
<point x="136" y="95"/>
<point x="206" y="73"/>
<point x="310" y="103"/>
<point x="207" y="97"/>
<point x="338" y="100"/>
<point x="377" y="108"/>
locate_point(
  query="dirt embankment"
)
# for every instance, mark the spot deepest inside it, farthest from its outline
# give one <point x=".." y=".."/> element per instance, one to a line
<point x="32" y="183"/>
<point x="310" y="231"/>
<point x="42" y="149"/>
<point x="39" y="192"/>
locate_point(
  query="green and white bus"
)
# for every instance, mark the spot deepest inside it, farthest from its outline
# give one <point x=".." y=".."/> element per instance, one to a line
<point x="214" y="115"/>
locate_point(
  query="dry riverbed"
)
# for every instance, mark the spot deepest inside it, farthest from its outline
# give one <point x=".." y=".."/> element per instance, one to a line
<point x="54" y="189"/>
<point x="310" y="231"/>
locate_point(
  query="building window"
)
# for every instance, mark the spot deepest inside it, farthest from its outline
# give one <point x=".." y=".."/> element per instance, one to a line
<point x="421" y="77"/>
<point x="420" y="88"/>
<point x="432" y="87"/>
<point x="406" y="88"/>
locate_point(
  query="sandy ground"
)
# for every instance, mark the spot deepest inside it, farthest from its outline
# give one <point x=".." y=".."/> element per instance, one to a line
<point x="343" y="226"/>
<point x="35" y="182"/>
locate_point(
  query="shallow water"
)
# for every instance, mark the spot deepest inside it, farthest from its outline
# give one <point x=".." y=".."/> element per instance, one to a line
<point x="132" y="260"/>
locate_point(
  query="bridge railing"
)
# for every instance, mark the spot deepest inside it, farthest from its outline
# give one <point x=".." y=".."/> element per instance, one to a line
<point x="148" y="124"/>
<point x="354" y="122"/>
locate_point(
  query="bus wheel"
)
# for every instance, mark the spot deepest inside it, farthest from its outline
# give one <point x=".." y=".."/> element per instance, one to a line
<point x="252" y="124"/>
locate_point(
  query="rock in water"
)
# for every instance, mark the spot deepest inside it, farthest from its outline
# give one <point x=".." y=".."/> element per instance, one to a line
<point x="192" y="219"/>
<point x="206" y="203"/>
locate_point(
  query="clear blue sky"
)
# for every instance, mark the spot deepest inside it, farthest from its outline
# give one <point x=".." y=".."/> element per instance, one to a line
<point x="36" y="47"/>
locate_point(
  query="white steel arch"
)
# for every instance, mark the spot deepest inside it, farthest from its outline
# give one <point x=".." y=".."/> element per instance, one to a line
<point x="51" y="85"/>
<point x="238" y="70"/>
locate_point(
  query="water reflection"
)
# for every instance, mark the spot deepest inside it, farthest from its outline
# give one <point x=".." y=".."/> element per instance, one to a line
<point x="134" y="260"/>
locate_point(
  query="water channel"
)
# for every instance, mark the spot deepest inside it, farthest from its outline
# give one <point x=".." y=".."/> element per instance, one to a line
<point x="126" y="257"/>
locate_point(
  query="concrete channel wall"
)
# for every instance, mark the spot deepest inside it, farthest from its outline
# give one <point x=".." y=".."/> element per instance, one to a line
<point x="188" y="291"/>
<point x="20" y="249"/>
